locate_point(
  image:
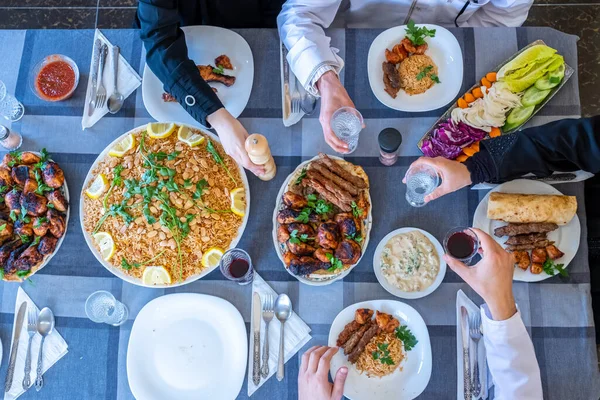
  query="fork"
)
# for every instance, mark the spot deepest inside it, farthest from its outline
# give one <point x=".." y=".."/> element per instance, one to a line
<point x="31" y="331"/>
<point x="267" y="314"/>
<point x="475" y="334"/>
<point x="296" y="101"/>
<point x="101" y="92"/>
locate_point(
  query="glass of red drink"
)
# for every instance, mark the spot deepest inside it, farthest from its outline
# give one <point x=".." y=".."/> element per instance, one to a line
<point x="236" y="265"/>
<point x="461" y="243"/>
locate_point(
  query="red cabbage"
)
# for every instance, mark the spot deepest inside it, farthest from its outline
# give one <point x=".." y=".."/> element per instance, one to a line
<point x="427" y="149"/>
<point x="448" y="139"/>
<point x="448" y="151"/>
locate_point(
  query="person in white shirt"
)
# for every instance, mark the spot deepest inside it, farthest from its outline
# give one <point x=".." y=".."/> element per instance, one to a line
<point x="510" y="354"/>
<point x="316" y="64"/>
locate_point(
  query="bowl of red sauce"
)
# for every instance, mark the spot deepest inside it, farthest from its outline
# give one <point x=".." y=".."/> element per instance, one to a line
<point x="55" y="78"/>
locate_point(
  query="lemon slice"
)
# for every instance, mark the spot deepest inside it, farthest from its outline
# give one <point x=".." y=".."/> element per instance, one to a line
<point x="98" y="187"/>
<point x="123" y="146"/>
<point x="212" y="257"/>
<point x="160" y="130"/>
<point x="187" y="136"/>
<point x="106" y="244"/>
<point x="238" y="201"/>
<point x="156" y="276"/>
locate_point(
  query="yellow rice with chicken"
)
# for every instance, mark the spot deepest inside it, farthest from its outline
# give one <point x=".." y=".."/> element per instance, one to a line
<point x="374" y="367"/>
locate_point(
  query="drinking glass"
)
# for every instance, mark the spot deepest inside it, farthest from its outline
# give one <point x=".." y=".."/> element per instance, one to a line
<point x="236" y="265"/>
<point x="10" y="108"/>
<point x="346" y="123"/>
<point x="421" y="180"/>
<point x="462" y="244"/>
<point x="102" y="307"/>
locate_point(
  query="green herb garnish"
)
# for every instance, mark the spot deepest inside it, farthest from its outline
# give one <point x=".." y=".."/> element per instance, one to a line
<point x="301" y="177"/>
<point x="435" y="78"/>
<point x="23" y="274"/>
<point x="551" y="268"/>
<point x="2" y="227"/>
<point x="296" y="239"/>
<point x="408" y="339"/>
<point x="356" y="211"/>
<point x="127" y="266"/>
<point x="382" y="354"/>
<point x="211" y="149"/>
<point x="304" y="215"/>
<point x="356" y="237"/>
<point x="200" y="186"/>
<point x="336" y="263"/>
<point x="219" y="70"/>
<point x="117" y="181"/>
<point x="417" y="34"/>
<point x="424" y="72"/>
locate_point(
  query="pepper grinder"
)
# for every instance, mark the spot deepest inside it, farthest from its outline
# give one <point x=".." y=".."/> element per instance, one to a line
<point x="260" y="154"/>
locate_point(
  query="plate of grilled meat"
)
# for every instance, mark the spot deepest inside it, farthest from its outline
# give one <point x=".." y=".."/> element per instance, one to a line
<point x="322" y="219"/>
<point x="536" y="223"/>
<point x="223" y="59"/>
<point x="385" y="346"/>
<point x="34" y="213"/>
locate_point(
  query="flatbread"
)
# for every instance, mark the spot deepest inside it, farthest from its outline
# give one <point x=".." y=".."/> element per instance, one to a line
<point x="526" y="208"/>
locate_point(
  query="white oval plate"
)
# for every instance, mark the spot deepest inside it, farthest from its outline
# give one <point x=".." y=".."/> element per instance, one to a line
<point x="118" y="271"/>
<point x="205" y="43"/>
<point x="187" y="346"/>
<point x="400" y="385"/>
<point x="445" y="52"/>
<point x="566" y="237"/>
<point x="394" y="290"/>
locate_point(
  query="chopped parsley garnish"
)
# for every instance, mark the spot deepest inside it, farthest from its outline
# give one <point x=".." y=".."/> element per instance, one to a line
<point x="551" y="268"/>
<point x="406" y="336"/>
<point x="2" y="227"/>
<point x="296" y="239"/>
<point x="304" y="215"/>
<point x="356" y="237"/>
<point x="426" y="71"/>
<point x="117" y="181"/>
<point x="336" y="263"/>
<point x="23" y="274"/>
<point x="356" y="211"/>
<point x="217" y="157"/>
<point x="382" y="354"/>
<point x="435" y="78"/>
<point x="320" y="206"/>
<point x="418" y="34"/>
<point x="127" y="266"/>
<point x="200" y="186"/>
<point x="220" y="70"/>
<point x="301" y="176"/>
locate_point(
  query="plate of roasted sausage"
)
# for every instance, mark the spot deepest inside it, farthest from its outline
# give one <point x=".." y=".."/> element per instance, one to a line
<point x="34" y="213"/>
<point x="322" y="219"/>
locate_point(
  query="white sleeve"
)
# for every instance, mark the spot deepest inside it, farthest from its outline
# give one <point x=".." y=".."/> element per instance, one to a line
<point x="501" y="13"/>
<point x="301" y="26"/>
<point x="511" y="358"/>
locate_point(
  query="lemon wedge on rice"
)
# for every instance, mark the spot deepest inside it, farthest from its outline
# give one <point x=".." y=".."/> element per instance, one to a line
<point x="98" y="187"/>
<point x="123" y="146"/>
<point x="187" y="136"/>
<point x="106" y="243"/>
<point x="156" y="275"/>
<point x="238" y="201"/>
<point x="160" y="130"/>
<point x="212" y="257"/>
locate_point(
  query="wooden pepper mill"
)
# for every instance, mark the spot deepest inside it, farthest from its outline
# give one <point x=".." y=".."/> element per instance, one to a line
<point x="260" y="154"/>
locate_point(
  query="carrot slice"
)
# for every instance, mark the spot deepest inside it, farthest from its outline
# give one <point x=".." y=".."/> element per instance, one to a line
<point x="486" y="83"/>
<point x="495" y="132"/>
<point x="475" y="146"/>
<point x="462" y="158"/>
<point x="462" y="103"/>
<point x="472" y="149"/>
<point x="469" y="98"/>
<point x="477" y="93"/>
<point x="491" y="76"/>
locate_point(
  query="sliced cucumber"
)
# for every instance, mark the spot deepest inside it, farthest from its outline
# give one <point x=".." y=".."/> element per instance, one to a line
<point x="508" y="127"/>
<point x="544" y="83"/>
<point x="557" y="75"/>
<point x="533" y="96"/>
<point x="519" y="115"/>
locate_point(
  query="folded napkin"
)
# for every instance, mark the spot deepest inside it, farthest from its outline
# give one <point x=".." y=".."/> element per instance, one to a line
<point x="296" y="335"/>
<point x="127" y="81"/>
<point x="463" y="300"/>
<point x="55" y="348"/>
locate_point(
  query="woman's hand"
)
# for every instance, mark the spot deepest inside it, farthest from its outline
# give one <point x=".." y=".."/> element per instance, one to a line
<point x="453" y="174"/>
<point x="313" y="382"/>
<point x="233" y="136"/>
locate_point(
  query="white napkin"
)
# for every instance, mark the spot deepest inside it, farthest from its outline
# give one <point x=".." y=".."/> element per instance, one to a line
<point x="296" y="335"/>
<point x="463" y="300"/>
<point x="55" y="348"/>
<point x="127" y="81"/>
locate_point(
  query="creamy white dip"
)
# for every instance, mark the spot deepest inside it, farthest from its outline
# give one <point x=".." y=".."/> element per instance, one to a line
<point x="410" y="262"/>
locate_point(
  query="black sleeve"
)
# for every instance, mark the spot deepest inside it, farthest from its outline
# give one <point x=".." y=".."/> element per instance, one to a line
<point x="166" y="55"/>
<point x="566" y="145"/>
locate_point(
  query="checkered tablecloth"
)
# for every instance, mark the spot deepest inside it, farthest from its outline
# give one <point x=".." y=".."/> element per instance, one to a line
<point x="557" y="312"/>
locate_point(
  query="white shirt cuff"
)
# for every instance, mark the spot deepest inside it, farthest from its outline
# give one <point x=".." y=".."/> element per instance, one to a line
<point x="501" y="330"/>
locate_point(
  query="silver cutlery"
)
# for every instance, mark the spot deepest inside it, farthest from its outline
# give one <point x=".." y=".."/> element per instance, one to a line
<point x="94" y="72"/>
<point x="45" y="326"/>
<point x="308" y="102"/>
<point x="267" y="314"/>
<point x="464" y="324"/>
<point x="475" y="333"/>
<point x="115" y="101"/>
<point x="283" y="311"/>
<point x="101" y="91"/>
<point x="15" y="347"/>
<point x="256" y="308"/>
<point x="31" y="331"/>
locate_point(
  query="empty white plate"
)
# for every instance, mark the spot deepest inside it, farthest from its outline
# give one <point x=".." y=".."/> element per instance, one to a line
<point x="187" y="346"/>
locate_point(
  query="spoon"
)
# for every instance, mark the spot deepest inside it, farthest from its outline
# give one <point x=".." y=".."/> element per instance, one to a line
<point x="115" y="101"/>
<point x="45" y="326"/>
<point x="283" y="311"/>
<point x="308" y="102"/>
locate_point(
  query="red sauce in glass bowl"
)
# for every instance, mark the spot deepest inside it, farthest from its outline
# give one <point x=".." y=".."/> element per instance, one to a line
<point x="55" y="81"/>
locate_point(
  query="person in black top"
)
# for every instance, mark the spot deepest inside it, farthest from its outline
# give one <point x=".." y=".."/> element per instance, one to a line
<point x="566" y="145"/>
<point x="166" y="55"/>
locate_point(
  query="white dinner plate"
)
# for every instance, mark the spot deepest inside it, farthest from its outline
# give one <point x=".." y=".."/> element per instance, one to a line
<point x="566" y="237"/>
<point x="187" y="346"/>
<point x="205" y="43"/>
<point x="445" y="52"/>
<point x="403" y="384"/>
<point x="394" y="290"/>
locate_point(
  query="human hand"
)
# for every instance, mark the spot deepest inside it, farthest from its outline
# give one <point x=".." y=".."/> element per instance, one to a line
<point x="233" y="136"/>
<point x="333" y="97"/>
<point x="453" y="174"/>
<point x="491" y="277"/>
<point x="313" y="382"/>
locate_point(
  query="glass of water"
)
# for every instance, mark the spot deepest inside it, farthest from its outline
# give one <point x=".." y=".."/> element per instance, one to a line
<point x="346" y="123"/>
<point x="10" y="108"/>
<point x="102" y="307"/>
<point x="421" y="180"/>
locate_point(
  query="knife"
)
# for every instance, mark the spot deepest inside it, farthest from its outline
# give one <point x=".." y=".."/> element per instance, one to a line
<point x="464" y="327"/>
<point x="566" y="176"/>
<point x="94" y="72"/>
<point x="286" y="83"/>
<point x="15" y="346"/>
<point x="256" y="313"/>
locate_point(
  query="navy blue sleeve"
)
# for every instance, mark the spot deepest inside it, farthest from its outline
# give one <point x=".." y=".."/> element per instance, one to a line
<point x="166" y="55"/>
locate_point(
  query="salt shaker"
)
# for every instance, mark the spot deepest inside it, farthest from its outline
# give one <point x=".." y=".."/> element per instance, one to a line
<point x="260" y="154"/>
<point x="10" y="140"/>
<point x="390" y="140"/>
